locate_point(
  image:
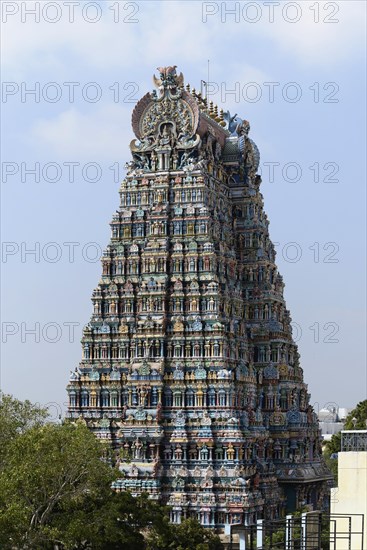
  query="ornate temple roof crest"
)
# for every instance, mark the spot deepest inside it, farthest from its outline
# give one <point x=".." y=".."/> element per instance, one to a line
<point x="168" y="79"/>
<point x="165" y="125"/>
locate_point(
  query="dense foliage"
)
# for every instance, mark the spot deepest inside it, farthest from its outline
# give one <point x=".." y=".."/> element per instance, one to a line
<point x="55" y="493"/>
<point x="15" y="418"/>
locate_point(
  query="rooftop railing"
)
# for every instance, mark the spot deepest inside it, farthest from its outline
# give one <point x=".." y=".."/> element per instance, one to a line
<point x="310" y="531"/>
<point x="354" y="440"/>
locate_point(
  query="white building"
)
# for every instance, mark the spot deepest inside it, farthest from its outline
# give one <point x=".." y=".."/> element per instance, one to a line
<point x="331" y="420"/>
<point x="349" y="499"/>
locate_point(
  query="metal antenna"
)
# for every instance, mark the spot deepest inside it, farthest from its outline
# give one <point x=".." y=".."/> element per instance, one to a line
<point x="207" y="87"/>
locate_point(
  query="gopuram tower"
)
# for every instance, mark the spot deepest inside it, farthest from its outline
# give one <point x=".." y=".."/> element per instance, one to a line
<point x="189" y="368"/>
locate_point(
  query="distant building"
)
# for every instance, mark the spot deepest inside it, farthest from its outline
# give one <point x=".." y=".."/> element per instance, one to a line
<point x="189" y="367"/>
<point x="331" y="420"/>
<point x="343" y="413"/>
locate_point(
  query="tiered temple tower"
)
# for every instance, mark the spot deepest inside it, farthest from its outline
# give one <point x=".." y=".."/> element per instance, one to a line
<point x="189" y="368"/>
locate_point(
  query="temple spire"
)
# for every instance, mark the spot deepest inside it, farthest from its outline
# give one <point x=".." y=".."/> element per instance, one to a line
<point x="189" y="368"/>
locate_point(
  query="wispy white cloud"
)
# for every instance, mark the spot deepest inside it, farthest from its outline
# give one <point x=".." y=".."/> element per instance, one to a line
<point x="99" y="135"/>
<point x="175" y="31"/>
<point x="327" y="33"/>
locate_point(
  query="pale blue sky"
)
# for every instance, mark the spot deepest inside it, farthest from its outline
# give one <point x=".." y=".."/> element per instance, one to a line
<point x="313" y="66"/>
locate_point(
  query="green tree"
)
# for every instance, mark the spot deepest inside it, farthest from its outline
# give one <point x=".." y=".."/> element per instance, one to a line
<point x="15" y="418"/>
<point x="47" y="469"/>
<point x="188" y="535"/>
<point x="357" y="418"/>
<point x="330" y="454"/>
<point x="118" y="522"/>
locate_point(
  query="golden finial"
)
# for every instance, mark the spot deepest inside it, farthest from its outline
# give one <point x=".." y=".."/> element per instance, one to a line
<point x="221" y="121"/>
